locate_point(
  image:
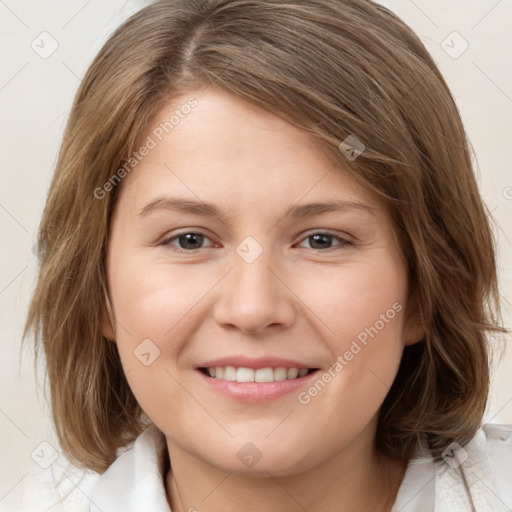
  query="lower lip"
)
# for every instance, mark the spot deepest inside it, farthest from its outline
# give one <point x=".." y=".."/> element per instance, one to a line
<point x="256" y="391"/>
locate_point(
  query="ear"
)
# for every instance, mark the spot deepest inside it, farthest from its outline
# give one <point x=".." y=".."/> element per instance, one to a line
<point x="107" y="328"/>
<point x="107" y="322"/>
<point x="414" y="329"/>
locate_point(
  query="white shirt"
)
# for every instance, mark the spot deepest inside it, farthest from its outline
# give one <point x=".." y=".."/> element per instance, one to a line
<point x="475" y="478"/>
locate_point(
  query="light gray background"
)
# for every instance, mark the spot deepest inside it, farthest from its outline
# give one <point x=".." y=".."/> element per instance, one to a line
<point x="36" y="92"/>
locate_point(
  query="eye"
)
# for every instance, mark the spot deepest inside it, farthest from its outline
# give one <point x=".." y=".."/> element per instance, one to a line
<point x="187" y="241"/>
<point x="321" y="240"/>
<point x="190" y="241"/>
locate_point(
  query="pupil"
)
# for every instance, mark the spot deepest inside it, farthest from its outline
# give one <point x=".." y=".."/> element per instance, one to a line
<point x="190" y="238"/>
<point x="318" y="238"/>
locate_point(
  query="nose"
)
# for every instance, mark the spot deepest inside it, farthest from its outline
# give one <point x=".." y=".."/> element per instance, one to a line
<point x="254" y="297"/>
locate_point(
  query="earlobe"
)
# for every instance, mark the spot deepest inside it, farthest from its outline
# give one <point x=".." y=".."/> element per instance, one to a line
<point x="107" y="328"/>
<point x="107" y="319"/>
<point x="414" y="330"/>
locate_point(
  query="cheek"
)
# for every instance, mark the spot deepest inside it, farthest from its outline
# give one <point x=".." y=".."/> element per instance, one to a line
<point x="152" y="298"/>
<point x="161" y="303"/>
<point x="145" y="307"/>
<point x="357" y="299"/>
<point x="153" y="311"/>
<point x="362" y="308"/>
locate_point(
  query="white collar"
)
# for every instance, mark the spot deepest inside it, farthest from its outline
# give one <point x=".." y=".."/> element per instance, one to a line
<point x="135" y="481"/>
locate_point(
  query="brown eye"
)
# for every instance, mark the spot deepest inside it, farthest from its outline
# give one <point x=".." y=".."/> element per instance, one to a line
<point x="186" y="242"/>
<point x="319" y="241"/>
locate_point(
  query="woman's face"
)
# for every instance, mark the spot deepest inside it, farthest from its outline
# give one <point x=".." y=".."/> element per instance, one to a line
<point x="262" y="281"/>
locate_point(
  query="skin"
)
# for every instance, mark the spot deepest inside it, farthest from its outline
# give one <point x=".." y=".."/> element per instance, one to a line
<point x="295" y="301"/>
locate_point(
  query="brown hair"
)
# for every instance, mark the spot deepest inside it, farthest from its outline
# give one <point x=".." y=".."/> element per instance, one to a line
<point x="332" y="68"/>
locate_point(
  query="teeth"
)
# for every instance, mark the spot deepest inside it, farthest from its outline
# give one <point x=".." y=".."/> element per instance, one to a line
<point x="292" y="373"/>
<point x="268" y="374"/>
<point x="229" y="373"/>
<point x="280" y="373"/>
<point x="245" y="375"/>
<point x="264" y="375"/>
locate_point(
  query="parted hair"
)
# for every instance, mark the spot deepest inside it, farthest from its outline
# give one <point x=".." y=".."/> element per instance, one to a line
<point x="333" y="68"/>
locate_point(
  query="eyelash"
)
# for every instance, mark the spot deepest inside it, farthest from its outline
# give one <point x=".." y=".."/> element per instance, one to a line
<point x="343" y="243"/>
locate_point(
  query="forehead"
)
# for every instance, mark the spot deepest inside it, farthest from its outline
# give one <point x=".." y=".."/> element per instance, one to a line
<point x="230" y="151"/>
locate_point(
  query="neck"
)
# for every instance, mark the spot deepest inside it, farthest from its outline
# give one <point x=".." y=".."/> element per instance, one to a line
<point x="352" y="479"/>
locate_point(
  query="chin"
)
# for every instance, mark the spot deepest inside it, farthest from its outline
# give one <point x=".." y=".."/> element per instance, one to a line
<point x="250" y="460"/>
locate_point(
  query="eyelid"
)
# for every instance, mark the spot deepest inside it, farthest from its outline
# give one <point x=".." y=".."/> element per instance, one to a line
<point x="343" y="239"/>
<point x="319" y="231"/>
<point x="170" y="238"/>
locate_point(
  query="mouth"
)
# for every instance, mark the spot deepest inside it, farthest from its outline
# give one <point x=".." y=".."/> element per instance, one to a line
<point x="260" y="375"/>
<point x="244" y="379"/>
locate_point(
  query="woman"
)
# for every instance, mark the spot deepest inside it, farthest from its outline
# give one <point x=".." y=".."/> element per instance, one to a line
<point x="323" y="346"/>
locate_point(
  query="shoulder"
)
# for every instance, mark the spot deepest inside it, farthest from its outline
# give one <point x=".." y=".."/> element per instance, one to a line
<point x="60" y="487"/>
<point x="498" y="441"/>
<point x="134" y="481"/>
<point x="478" y="475"/>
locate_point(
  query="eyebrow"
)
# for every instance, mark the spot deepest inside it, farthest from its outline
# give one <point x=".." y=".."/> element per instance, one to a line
<point x="205" y="209"/>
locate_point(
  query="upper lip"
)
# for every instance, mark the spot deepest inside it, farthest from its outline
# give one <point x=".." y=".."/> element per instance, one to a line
<point x="255" y="363"/>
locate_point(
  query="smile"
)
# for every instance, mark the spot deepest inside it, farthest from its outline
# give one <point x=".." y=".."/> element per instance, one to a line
<point x="244" y="374"/>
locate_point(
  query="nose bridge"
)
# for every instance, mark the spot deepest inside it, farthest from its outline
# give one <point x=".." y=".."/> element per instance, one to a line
<point x="253" y="296"/>
<point x="253" y="269"/>
<point x="253" y="282"/>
